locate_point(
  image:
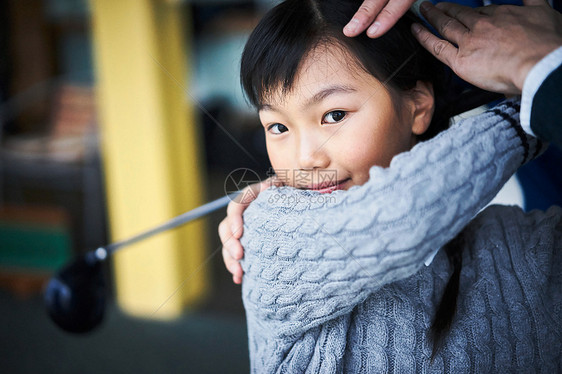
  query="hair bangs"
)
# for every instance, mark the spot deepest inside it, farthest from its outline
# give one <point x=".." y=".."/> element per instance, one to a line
<point x="275" y="50"/>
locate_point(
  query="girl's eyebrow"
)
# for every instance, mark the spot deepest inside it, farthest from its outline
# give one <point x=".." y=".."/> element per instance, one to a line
<point x="316" y="98"/>
<point x="325" y="92"/>
<point x="265" y="107"/>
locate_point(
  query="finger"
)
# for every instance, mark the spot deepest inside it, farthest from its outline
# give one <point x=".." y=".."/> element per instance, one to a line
<point x="245" y="197"/>
<point x="237" y="224"/>
<point x="466" y="15"/>
<point x="448" y="27"/>
<point x="225" y="234"/>
<point x="249" y="194"/>
<point x="231" y="264"/>
<point x="441" y="49"/>
<point x="229" y="241"/>
<point x="234" y="213"/>
<point x="235" y="249"/>
<point x="237" y="272"/>
<point x="236" y="208"/>
<point x="363" y="17"/>
<point x="388" y="16"/>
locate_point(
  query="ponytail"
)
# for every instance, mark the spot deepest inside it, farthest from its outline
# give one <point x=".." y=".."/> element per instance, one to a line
<point x="447" y="308"/>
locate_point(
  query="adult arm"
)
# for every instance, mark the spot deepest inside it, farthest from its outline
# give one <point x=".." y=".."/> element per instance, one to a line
<point x="311" y="257"/>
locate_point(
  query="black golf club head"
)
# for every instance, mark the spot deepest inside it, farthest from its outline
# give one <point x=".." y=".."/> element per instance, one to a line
<point x="76" y="296"/>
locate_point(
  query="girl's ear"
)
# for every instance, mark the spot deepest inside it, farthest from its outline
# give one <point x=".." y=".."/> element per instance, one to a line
<point x="423" y="106"/>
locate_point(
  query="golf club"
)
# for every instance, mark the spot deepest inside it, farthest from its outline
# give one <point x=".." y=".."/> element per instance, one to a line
<point x="75" y="296"/>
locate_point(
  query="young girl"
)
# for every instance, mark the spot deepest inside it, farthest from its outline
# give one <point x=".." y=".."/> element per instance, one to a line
<point x="336" y="283"/>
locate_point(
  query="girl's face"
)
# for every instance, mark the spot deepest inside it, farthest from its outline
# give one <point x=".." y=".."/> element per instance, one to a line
<point x="337" y="122"/>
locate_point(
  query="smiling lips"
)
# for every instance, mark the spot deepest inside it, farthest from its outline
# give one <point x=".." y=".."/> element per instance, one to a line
<point x="328" y="187"/>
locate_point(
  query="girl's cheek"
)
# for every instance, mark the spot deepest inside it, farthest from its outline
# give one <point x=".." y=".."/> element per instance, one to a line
<point x="280" y="163"/>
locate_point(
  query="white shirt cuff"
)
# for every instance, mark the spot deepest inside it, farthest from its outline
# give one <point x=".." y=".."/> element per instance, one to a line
<point x="430" y="258"/>
<point x="533" y="81"/>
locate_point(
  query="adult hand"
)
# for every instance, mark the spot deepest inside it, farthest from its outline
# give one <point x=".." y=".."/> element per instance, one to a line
<point x="492" y="47"/>
<point x="378" y="15"/>
<point x="231" y="228"/>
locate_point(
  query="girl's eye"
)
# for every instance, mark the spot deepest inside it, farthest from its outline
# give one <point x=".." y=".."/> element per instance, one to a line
<point x="277" y="128"/>
<point x="334" y="116"/>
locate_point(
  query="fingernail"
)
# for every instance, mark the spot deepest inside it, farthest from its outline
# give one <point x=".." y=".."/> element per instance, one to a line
<point x="352" y="26"/>
<point x="416" y="28"/>
<point x="373" y="29"/>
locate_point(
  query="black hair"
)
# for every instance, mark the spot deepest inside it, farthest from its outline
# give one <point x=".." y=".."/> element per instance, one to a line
<point x="283" y="38"/>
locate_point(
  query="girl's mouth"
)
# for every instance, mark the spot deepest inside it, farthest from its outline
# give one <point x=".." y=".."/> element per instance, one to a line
<point x="328" y="187"/>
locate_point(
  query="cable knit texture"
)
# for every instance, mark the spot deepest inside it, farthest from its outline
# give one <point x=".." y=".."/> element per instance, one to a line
<point x="336" y="283"/>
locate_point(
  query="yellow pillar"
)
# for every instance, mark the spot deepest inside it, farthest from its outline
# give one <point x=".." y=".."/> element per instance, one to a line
<point x="150" y="150"/>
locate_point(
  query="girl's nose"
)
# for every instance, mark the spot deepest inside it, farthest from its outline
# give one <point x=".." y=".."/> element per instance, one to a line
<point x="312" y="155"/>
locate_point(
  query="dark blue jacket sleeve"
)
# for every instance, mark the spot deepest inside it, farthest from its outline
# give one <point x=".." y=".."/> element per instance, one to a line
<point x="546" y="111"/>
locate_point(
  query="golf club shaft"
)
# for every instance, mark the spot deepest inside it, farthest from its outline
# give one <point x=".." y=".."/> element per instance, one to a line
<point x="193" y="214"/>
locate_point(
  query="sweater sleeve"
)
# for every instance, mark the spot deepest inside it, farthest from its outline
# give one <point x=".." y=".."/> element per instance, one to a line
<point x="310" y="257"/>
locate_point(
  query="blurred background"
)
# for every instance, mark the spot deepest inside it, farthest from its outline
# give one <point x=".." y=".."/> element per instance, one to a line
<point x="114" y="117"/>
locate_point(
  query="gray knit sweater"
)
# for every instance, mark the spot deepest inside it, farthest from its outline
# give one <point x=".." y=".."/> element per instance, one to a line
<point x="337" y="284"/>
